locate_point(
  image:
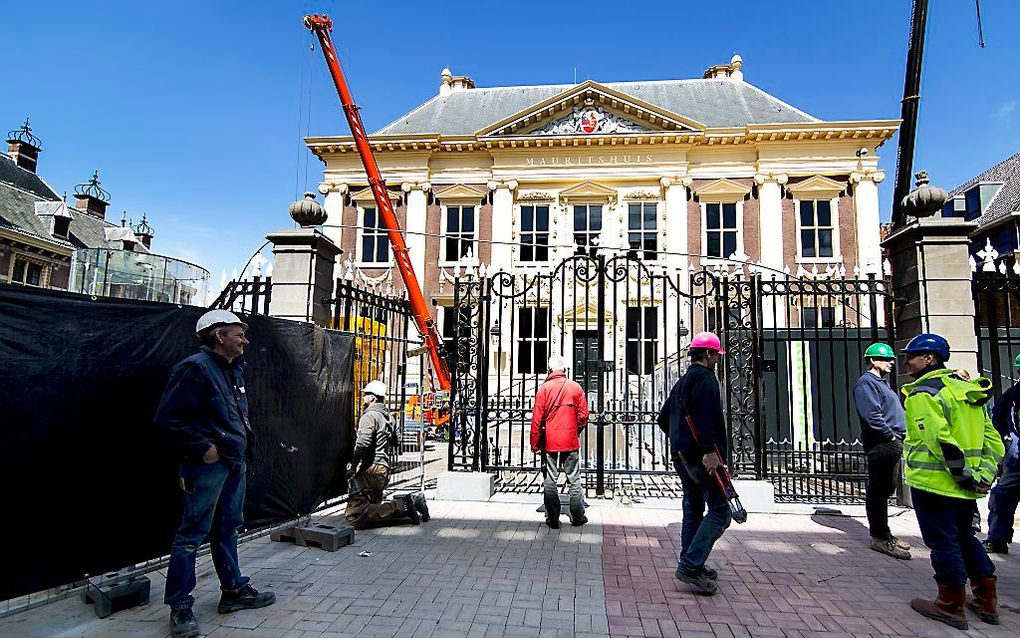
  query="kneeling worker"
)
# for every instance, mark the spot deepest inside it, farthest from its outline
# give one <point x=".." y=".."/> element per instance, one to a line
<point x="952" y="454"/>
<point x="375" y="451"/>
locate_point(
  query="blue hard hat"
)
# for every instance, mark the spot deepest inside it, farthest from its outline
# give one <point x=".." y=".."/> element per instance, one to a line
<point x="927" y="342"/>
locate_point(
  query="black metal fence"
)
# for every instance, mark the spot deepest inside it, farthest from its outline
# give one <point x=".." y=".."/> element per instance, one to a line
<point x="249" y="296"/>
<point x="997" y="309"/>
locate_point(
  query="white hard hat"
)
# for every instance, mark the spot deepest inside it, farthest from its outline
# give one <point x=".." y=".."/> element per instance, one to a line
<point x="378" y="388"/>
<point x="218" y="318"/>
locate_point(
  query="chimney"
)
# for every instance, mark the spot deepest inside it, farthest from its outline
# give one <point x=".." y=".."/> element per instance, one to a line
<point x="729" y="71"/>
<point x="144" y="232"/>
<point x="23" y="147"/>
<point x="91" y="197"/>
<point x="451" y="83"/>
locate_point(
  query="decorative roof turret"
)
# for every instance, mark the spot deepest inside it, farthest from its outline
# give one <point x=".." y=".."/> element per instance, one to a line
<point x="144" y="232"/>
<point x="23" y="147"/>
<point x="91" y="197"/>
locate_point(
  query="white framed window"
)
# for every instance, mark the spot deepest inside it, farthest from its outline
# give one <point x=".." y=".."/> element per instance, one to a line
<point x="587" y="226"/>
<point x="532" y="339"/>
<point x="534" y="245"/>
<point x="642" y="339"/>
<point x="817" y="230"/>
<point x="817" y="317"/>
<point x="722" y="229"/>
<point x="28" y="272"/>
<point x="642" y="231"/>
<point x="460" y="237"/>
<point x="373" y="240"/>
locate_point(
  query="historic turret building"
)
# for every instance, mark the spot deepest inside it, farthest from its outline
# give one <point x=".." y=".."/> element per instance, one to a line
<point x="676" y="173"/>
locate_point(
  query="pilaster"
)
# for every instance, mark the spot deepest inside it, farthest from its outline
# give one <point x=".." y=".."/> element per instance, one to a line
<point x="676" y="244"/>
<point x="417" y="210"/>
<point x="334" y="196"/>
<point x="770" y="218"/>
<point x="869" y="252"/>
<point x="501" y="255"/>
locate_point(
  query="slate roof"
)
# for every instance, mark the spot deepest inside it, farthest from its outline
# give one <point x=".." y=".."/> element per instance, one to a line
<point x="1007" y="200"/>
<point x="19" y="192"/>
<point x="717" y="103"/>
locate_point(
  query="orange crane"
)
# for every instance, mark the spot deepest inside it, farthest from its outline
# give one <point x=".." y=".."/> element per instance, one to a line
<point x="321" y="27"/>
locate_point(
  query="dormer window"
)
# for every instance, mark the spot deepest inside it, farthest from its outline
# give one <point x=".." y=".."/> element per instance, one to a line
<point x="61" y="227"/>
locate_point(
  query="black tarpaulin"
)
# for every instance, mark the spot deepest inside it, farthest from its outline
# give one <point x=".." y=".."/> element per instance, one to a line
<point x="87" y="486"/>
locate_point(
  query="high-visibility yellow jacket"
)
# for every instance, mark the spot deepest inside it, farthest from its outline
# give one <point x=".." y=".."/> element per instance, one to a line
<point x="951" y="445"/>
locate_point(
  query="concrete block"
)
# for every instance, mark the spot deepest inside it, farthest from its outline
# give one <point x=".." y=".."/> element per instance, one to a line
<point x="327" y="537"/>
<point x="112" y="592"/>
<point x="756" y="496"/>
<point x="466" y="486"/>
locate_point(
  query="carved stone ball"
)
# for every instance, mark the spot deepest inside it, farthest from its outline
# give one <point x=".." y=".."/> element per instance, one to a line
<point x="307" y="211"/>
<point x="925" y="200"/>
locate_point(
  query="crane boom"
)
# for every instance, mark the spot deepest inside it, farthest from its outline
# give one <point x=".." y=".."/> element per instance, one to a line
<point x="321" y="27"/>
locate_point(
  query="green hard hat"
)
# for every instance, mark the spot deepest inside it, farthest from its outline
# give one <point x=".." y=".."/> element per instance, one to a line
<point x="881" y="351"/>
<point x="1016" y="362"/>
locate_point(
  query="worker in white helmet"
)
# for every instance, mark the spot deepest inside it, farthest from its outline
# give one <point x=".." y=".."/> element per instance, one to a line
<point x="375" y="451"/>
<point x="204" y="413"/>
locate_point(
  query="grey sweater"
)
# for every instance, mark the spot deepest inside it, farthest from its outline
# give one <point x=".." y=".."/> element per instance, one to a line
<point x="376" y="440"/>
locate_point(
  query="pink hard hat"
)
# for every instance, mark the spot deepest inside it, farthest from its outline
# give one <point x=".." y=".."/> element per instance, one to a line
<point x="708" y="341"/>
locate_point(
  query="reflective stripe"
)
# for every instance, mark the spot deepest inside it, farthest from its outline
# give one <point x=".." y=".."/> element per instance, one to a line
<point x="925" y="465"/>
<point x="989" y="467"/>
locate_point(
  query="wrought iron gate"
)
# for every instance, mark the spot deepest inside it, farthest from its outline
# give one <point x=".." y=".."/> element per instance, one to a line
<point x="623" y="326"/>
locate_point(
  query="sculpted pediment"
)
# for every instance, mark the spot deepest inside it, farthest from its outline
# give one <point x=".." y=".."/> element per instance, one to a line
<point x="722" y="190"/>
<point x="590" y="109"/>
<point x="588" y="192"/>
<point x="459" y="193"/>
<point x="817" y="187"/>
<point x="583" y="315"/>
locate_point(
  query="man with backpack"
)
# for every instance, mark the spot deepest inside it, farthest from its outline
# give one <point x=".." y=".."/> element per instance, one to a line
<point x="697" y="458"/>
<point x="375" y="451"/>
<point x="1002" y="502"/>
<point x="559" y="416"/>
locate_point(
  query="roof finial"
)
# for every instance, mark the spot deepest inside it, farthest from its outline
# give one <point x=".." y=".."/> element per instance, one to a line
<point x="93" y="189"/>
<point x="24" y="135"/>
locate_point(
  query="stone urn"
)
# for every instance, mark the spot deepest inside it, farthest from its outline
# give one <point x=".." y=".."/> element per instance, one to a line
<point x="307" y="212"/>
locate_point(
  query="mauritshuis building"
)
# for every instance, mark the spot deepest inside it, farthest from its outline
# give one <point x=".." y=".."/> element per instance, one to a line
<point x="677" y="173"/>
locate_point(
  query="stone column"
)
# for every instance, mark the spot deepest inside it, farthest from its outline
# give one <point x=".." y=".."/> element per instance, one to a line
<point x="334" y="196"/>
<point x="931" y="272"/>
<point x="417" y="207"/>
<point x="303" y="280"/>
<point x="676" y="244"/>
<point x="869" y="253"/>
<point x="770" y="237"/>
<point x="501" y="255"/>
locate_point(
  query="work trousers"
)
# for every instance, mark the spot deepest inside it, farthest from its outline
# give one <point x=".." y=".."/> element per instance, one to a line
<point x="365" y="506"/>
<point x="569" y="464"/>
<point x="883" y="475"/>
<point x="213" y="497"/>
<point x="947" y="530"/>
<point x="698" y="531"/>
<point x="1002" y="503"/>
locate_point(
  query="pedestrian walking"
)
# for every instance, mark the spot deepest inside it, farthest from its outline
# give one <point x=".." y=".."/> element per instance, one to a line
<point x="696" y="459"/>
<point x="952" y="454"/>
<point x="1002" y="502"/>
<point x="204" y="413"/>
<point x="375" y="452"/>
<point x="557" y="419"/>
<point x="882" y="431"/>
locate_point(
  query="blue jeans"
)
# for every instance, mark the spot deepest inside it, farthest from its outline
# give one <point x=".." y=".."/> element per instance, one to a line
<point x="947" y="530"/>
<point x="699" y="532"/>
<point x="1002" y="505"/>
<point x="213" y="497"/>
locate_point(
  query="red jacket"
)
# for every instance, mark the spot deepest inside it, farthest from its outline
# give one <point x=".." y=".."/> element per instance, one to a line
<point x="567" y="417"/>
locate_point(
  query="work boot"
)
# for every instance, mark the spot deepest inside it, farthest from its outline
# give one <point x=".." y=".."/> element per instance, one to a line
<point x="421" y="507"/>
<point x="711" y="573"/>
<point x="553" y="523"/>
<point x="900" y="543"/>
<point x="985" y="602"/>
<point x="410" y="511"/>
<point x="579" y="520"/>
<point x="995" y="547"/>
<point x="183" y="623"/>
<point x="890" y="548"/>
<point x="699" y="578"/>
<point x="946" y="608"/>
<point x="245" y="598"/>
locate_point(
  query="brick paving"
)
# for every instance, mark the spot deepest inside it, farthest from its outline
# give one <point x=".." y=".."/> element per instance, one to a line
<point x="493" y="569"/>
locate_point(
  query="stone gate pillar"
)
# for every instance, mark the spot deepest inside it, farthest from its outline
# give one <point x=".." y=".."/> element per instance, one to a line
<point x="303" y="262"/>
<point x="932" y="278"/>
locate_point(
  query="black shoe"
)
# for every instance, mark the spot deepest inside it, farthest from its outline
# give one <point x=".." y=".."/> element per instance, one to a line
<point x="577" y="522"/>
<point x="996" y="547"/>
<point x="553" y="523"/>
<point x="711" y="573"/>
<point x="421" y="506"/>
<point x="410" y="510"/>
<point x="245" y="598"/>
<point x="698" y="578"/>
<point x="183" y="623"/>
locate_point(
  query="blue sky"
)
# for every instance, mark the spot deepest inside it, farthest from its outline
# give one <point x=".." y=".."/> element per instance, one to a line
<point x="190" y="110"/>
